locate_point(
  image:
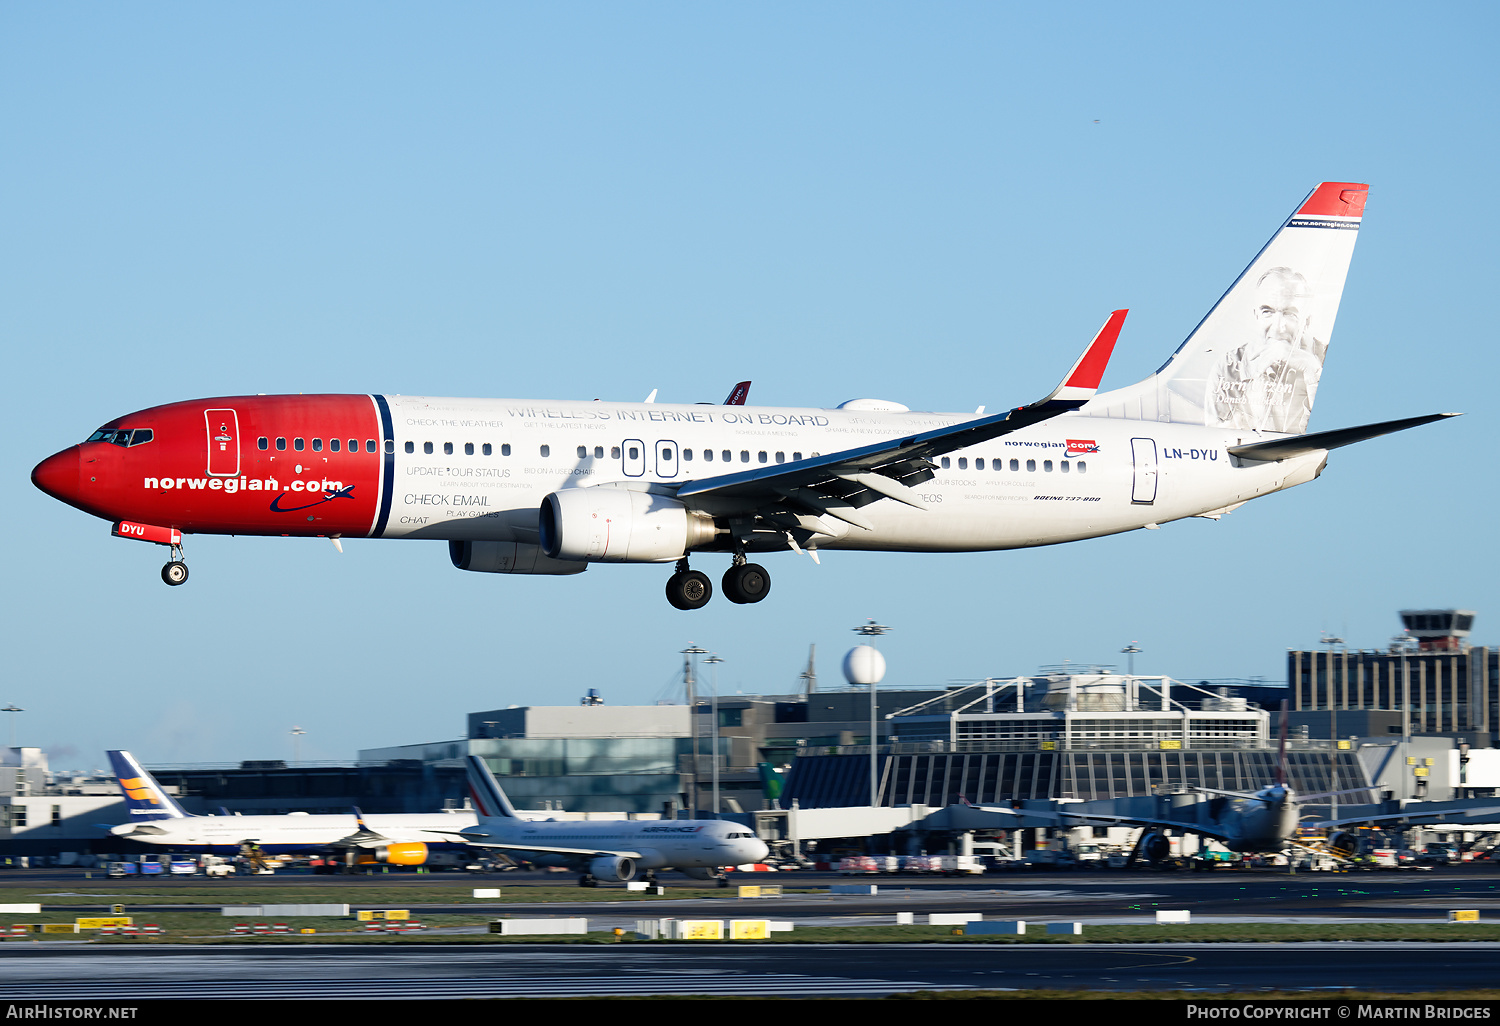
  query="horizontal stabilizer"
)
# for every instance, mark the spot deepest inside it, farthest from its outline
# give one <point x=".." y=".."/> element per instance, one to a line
<point x="1301" y="445"/>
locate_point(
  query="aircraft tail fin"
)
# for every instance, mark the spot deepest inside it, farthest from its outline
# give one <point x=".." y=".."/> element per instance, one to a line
<point x="1254" y="361"/>
<point x="484" y="789"/>
<point x="144" y="797"/>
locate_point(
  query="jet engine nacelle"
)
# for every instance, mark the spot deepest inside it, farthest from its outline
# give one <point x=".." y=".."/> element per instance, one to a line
<point x="1156" y="847"/>
<point x="402" y="853"/>
<point x="612" y="867"/>
<point x="494" y="557"/>
<point x="616" y="525"/>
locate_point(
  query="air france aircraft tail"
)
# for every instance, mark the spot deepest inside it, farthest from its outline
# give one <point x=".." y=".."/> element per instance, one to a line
<point x="143" y="795"/>
<point x="484" y="789"/>
<point x="1254" y="362"/>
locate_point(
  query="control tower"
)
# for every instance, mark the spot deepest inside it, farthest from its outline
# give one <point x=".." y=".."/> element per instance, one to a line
<point x="1438" y="630"/>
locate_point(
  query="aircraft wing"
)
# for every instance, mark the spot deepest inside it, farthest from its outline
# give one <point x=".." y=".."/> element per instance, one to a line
<point x="1486" y="814"/>
<point x="1090" y="818"/>
<point x="479" y="840"/>
<point x="837" y="484"/>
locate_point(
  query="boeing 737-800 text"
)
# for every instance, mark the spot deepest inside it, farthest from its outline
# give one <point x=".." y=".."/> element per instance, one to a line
<point x="549" y="487"/>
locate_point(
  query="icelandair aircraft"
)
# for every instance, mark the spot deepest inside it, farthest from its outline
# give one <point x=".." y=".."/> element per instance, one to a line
<point x="549" y="487"/>
<point x="608" y="849"/>
<point x="156" y="819"/>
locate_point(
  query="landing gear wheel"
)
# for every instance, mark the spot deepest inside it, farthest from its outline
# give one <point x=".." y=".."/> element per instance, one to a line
<point x="689" y="589"/>
<point x="746" y="583"/>
<point x="723" y="879"/>
<point x="175" y="573"/>
<point x="588" y="880"/>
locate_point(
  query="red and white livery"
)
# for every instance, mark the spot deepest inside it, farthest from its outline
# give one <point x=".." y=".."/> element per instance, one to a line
<point x="551" y="486"/>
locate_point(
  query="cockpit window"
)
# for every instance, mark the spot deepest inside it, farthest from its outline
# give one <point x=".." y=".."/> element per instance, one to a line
<point x="121" y="436"/>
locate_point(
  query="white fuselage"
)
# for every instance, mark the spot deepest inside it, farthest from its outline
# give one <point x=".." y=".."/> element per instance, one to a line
<point x="662" y="844"/>
<point x="292" y="833"/>
<point x="1073" y="477"/>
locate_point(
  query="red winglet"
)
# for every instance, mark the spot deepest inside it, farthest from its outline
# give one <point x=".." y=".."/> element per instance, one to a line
<point x="1336" y="199"/>
<point x="1089" y="370"/>
<point x="738" y="394"/>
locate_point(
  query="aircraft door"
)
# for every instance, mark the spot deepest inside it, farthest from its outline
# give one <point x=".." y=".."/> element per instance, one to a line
<point x="1144" y="476"/>
<point x="666" y="459"/>
<point x="633" y="456"/>
<point x="223" y="428"/>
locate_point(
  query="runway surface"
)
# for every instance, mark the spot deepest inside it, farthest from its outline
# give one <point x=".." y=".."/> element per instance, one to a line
<point x="80" y="971"/>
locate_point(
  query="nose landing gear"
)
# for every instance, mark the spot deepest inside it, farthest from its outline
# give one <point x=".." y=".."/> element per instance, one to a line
<point x="176" y="571"/>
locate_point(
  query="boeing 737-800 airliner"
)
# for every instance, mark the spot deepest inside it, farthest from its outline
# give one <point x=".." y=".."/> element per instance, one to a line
<point x="549" y="487"/>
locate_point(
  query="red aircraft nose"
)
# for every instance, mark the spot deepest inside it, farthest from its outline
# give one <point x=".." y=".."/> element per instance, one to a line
<point x="57" y="475"/>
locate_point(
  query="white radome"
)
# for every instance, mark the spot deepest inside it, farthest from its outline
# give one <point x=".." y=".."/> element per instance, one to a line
<point x="864" y="665"/>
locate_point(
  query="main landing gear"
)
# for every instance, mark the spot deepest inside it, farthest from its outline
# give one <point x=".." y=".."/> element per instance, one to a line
<point x="176" y="571"/>
<point x="743" y="583"/>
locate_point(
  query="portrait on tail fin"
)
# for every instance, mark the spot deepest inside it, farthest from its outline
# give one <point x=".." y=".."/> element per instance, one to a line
<point x="1269" y="382"/>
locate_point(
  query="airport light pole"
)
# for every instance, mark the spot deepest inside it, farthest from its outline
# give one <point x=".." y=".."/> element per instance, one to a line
<point x="297" y="733"/>
<point x="690" y="678"/>
<point x="1129" y="652"/>
<point x="12" y="708"/>
<point x="714" y="660"/>
<point x="873" y="630"/>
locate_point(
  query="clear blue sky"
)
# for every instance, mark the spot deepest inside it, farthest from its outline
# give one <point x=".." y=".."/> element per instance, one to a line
<point x="931" y="203"/>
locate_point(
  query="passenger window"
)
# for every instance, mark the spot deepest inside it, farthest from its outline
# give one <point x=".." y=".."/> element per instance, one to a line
<point x="488" y="450"/>
<point x="262" y="442"/>
<point x="614" y="452"/>
<point x="744" y="455"/>
<point x="583" y="452"/>
<point x="298" y="444"/>
<point x="354" y="445"/>
<point x="390" y="446"/>
<point x="708" y="455"/>
<point x="281" y="445"/>
<point x="447" y="448"/>
<point x="1047" y="466"/>
<point x="505" y="449"/>
<point x="1015" y="464"/>
<point x="633" y="453"/>
<point x="979" y="463"/>
<point x="1063" y="466"/>
<point x="796" y="456"/>
<point x="598" y="452"/>
<point x="945" y="462"/>
<point x="666" y="455"/>
<point x="761" y="456"/>
<point x="317" y="445"/>
<point x="1083" y="467"/>
<point x="427" y="448"/>
<point x="781" y="457"/>
<point x="411" y="446"/>
<point x="1031" y="466"/>
<point x="546" y="450"/>
<point x="963" y="463"/>
<point x="687" y="454"/>
<point x="726" y="455"/>
<point x="333" y="445"/>
<point x="369" y="445"/>
<point x="468" y="448"/>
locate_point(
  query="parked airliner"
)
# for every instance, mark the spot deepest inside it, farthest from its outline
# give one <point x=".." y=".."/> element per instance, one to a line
<point x="156" y="819"/>
<point x="611" y="849"/>
<point x="552" y="486"/>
